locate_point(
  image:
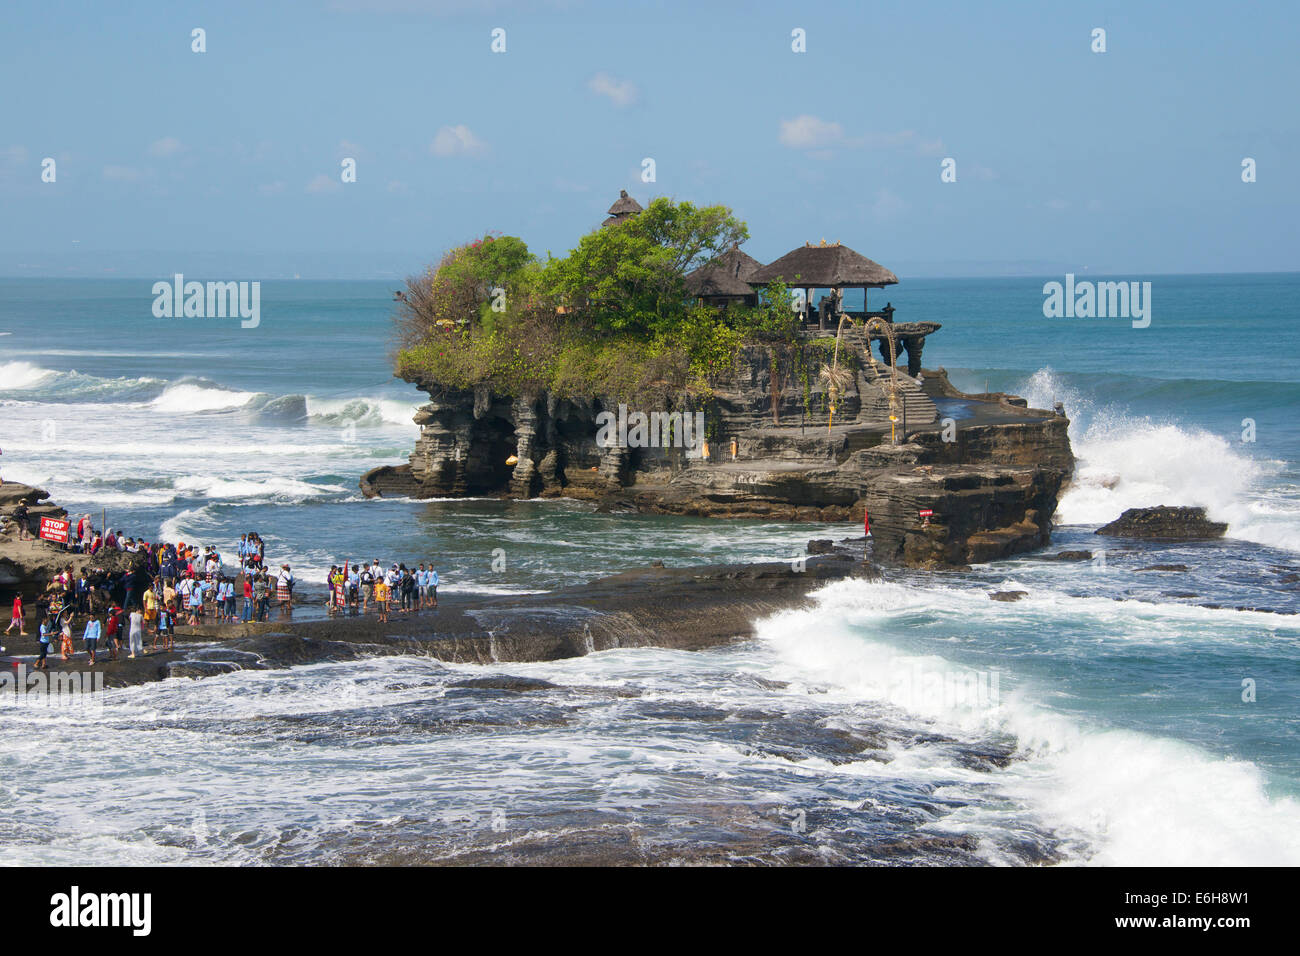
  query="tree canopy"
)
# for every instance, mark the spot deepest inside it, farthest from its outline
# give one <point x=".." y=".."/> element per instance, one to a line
<point x="612" y="312"/>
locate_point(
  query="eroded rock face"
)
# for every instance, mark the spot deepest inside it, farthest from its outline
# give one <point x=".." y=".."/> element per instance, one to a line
<point x="977" y="514"/>
<point x="990" y="483"/>
<point x="1164" y="522"/>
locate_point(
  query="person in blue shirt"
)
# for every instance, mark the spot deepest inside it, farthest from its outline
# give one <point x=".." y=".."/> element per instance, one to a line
<point x="43" y="644"/>
<point x="165" y="633"/>
<point x="421" y="582"/>
<point x="354" y="586"/>
<point x="91" y="637"/>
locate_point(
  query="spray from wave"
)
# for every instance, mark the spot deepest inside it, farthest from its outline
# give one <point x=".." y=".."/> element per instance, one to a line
<point x="1127" y="461"/>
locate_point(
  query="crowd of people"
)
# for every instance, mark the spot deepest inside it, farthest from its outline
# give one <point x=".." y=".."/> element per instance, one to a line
<point x="180" y="584"/>
<point x="354" y="586"/>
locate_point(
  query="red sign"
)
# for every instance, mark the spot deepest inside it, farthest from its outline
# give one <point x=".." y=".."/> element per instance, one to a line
<point x="52" y="529"/>
<point x="925" y="512"/>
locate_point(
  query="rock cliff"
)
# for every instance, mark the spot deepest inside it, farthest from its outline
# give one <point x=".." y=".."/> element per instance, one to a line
<point x="987" y="468"/>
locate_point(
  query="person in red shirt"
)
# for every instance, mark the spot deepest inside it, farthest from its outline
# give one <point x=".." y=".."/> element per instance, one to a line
<point x="17" y="620"/>
<point x="113" y="631"/>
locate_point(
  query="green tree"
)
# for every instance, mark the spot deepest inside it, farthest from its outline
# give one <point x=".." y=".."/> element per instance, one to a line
<point x="628" y="278"/>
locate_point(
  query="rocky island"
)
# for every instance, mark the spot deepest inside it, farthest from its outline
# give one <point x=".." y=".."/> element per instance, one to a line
<point x="804" y="414"/>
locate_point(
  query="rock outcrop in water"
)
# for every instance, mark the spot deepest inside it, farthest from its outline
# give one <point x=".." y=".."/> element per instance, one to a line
<point x="977" y="478"/>
<point x="1164" y="522"/>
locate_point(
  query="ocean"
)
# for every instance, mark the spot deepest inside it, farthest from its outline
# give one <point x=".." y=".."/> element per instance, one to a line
<point x="1115" y="715"/>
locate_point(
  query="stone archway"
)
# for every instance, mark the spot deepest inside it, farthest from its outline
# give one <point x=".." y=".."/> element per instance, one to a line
<point x="834" y="376"/>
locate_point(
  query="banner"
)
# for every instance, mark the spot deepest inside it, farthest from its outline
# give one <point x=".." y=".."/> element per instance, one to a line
<point x="52" y="529"/>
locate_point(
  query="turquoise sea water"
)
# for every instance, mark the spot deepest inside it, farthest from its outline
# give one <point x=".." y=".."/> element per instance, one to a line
<point x="1123" y="688"/>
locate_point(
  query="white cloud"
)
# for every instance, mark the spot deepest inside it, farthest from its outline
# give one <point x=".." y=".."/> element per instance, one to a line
<point x="17" y="155"/>
<point x="809" y="132"/>
<point x="621" y="93"/>
<point x="121" y="174"/>
<point x="167" y="146"/>
<point x="456" y="141"/>
<point x="271" y="189"/>
<point x="323" y="184"/>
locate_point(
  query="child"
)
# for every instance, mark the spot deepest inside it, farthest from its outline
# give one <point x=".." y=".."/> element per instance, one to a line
<point x="381" y="599"/>
<point x="47" y="627"/>
<point x="165" y="630"/>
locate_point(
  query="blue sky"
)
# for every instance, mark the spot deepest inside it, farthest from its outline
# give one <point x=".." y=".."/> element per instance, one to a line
<point x="227" y="163"/>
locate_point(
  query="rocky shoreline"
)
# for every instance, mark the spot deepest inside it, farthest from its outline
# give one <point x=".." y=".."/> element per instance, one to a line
<point x="682" y="608"/>
<point x="975" y="478"/>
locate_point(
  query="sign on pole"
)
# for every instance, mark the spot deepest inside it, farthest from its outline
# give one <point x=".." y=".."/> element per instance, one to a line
<point x="52" y="529"/>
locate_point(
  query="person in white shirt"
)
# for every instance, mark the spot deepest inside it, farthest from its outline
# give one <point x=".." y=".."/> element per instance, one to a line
<point x="135" y="637"/>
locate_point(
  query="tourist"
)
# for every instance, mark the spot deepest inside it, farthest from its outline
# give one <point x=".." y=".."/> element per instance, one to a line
<point x="82" y="592"/>
<point x="184" y="588"/>
<point x="17" y="619"/>
<point x="367" y="588"/>
<point x="196" y="603"/>
<point x="46" y="634"/>
<point x="91" y="637"/>
<point x="135" y="635"/>
<point x="247" y="614"/>
<point x="66" y="650"/>
<point x="226" y="600"/>
<point x="407" y="584"/>
<point x="151" y="601"/>
<point x="261" y="594"/>
<point x="420" y="583"/>
<point x="354" y="587"/>
<point x="113" y="631"/>
<point x="381" y="599"/>
<point x="166" y="630"/>
<point x="337" y="589"/>
<point x="284" y="590"/>
<point x="20" y="518"/>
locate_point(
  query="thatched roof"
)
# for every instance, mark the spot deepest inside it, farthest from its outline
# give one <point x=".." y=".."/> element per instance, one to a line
<point x="623" y="207"/>
<point x="728" y="275"/>
<point x="825" y="266"/>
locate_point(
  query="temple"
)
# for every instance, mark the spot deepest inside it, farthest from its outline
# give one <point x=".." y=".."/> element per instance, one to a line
<point x="837" y="424"/>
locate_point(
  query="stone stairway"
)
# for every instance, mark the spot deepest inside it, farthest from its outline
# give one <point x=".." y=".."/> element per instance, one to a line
<point x="874" y="383"/>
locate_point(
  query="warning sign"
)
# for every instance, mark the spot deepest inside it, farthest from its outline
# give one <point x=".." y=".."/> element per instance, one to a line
<point x="926" y="513"/>
<point x="52" y="529"/>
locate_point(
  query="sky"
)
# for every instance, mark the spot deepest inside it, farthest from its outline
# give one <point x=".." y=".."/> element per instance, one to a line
<point x="227" y="163"/>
